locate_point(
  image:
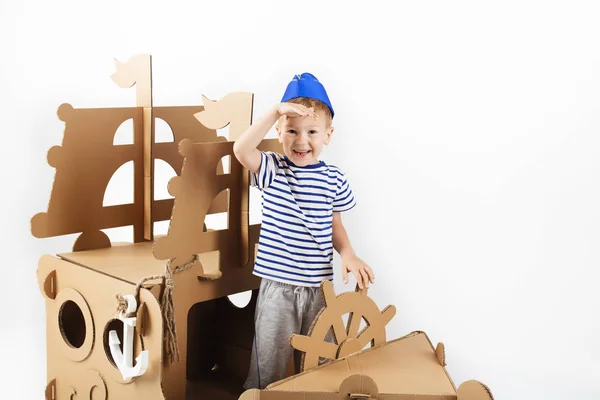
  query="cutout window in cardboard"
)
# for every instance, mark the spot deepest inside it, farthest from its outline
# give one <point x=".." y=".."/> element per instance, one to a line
<point x="124" y="134"/>
<point x="162" y="131"/>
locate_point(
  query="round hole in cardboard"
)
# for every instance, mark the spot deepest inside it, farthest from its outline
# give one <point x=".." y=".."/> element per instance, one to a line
<point x="78" y="335"/>
<point x="72" y="324"/>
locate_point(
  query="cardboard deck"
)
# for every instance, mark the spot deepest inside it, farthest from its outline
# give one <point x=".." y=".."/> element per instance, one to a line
<point x="151" y="319"/>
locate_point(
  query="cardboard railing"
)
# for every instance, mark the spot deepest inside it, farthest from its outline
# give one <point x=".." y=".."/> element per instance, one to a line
<point x="152" y="319"/>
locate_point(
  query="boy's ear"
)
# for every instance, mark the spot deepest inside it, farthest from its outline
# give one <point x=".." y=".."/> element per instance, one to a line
<point x="328" y="134"/>
<point x="278" y="129"/>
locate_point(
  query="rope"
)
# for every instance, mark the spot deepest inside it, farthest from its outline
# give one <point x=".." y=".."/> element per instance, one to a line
<point x="166" y="305"/>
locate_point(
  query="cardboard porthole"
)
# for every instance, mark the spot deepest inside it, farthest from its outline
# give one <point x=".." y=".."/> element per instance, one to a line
<point x="75" y="323"/>
<point x="72" y="324"/>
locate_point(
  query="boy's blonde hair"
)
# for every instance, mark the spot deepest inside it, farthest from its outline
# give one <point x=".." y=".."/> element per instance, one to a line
<point x="317" y="105"/>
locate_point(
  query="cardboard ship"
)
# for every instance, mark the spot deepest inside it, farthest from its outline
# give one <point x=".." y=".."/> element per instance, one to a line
<point x="152" y="318"/>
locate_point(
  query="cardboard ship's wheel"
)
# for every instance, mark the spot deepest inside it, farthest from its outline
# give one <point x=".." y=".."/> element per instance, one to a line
<point x="348" y="338"/>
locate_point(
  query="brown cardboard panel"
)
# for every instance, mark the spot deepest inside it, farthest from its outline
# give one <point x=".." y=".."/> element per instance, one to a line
<point x="75" y="323"/>
<point x="235" y="110"/>
<point x="348" y="339"/>
<point x="132" y="262"/>
<point x="184" y="126"/>
<point x="125" y="261"/>
<point x="194" y="192"/>
<point x="85" y="163"/>
<point x="406" y="365"/>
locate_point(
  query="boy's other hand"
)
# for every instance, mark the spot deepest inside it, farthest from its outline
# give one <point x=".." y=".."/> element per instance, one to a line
<point x="362" y="272"/>
<point x="293" y="110"/>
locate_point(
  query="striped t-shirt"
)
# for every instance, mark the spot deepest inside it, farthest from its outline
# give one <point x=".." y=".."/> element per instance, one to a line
<point x="295" y="244"/>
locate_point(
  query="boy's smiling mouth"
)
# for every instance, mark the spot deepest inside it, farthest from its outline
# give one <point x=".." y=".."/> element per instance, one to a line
<point x="302" y="153"/>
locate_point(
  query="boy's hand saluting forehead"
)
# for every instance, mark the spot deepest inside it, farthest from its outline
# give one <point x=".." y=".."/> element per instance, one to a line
<point x="293" y="110"/>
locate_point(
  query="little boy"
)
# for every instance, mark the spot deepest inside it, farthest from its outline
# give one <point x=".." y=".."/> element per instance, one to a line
<point x="301" y="224"/>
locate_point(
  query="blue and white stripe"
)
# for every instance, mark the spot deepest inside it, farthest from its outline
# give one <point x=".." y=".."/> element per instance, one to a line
<point x="295" y="244"/>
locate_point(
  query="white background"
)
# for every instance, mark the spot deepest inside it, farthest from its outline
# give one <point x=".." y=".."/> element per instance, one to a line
<point x="470" y="132"/>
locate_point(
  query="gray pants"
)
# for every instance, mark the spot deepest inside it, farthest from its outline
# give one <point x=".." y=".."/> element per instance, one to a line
<point x="281" y="311"/>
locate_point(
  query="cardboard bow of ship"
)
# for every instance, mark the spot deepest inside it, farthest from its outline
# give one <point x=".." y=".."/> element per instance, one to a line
<point x="151" y="318"/>
<point x="361" y="363"/>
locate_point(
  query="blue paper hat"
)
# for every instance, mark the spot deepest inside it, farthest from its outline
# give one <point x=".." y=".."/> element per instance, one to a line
<point x="306" y="85"/>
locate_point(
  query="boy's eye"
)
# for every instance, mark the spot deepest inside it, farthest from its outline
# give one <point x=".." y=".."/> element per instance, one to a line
<point x="292" y="131"/>
<point x="312" y="132"/>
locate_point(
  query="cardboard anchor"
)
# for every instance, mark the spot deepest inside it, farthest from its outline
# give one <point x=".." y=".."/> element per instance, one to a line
<point x="124" y="358"/>
<point x="173" y="332"/>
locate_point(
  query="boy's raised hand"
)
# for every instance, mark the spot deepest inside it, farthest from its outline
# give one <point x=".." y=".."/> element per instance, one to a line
<point x="293" y="110"/>
<point x="362" y="272"/>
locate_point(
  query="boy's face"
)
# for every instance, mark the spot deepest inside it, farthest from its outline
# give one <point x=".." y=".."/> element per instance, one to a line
<point x="303" y="138"/>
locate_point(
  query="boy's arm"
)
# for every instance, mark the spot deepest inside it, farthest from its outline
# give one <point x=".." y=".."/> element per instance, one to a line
<point x="245" y="148"/>
<point x="350" y="262"/>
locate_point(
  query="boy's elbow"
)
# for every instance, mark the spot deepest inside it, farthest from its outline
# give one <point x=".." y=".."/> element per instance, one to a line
<point x="238" y="151"/>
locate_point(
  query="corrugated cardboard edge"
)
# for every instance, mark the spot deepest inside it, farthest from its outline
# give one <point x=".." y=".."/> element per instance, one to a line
<point x="440" y="353"/>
